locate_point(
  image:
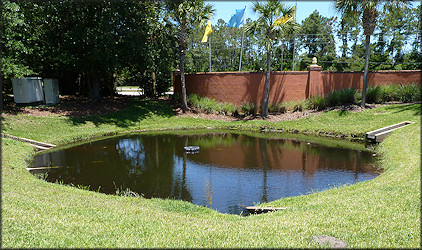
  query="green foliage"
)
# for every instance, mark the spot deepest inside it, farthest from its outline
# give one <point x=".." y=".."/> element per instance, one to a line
<point x="19" y="38"/>
<point x="210" y="105"/>
<point x="333" y="98"/>
<point x="249" y="108"/>
<point x="228" y="109"/>
<point x="394" y="92"/>
<point x="294" y="105"/>
<point x="341" y="97"/>
<point x="276" y="108"/>
<point x="86" y="45"/>
<point x="347" y="96"/>
<point x="205" y="104"/>
<point x="315" y="102"/>
<point x="373" y="94"/>
<point x="409" y="92"/>
<point x="319" y="39"/>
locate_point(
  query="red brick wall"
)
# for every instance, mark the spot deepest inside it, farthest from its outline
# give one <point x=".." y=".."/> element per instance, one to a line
<point x="242" y="87"/>
<point x="339" y="80"/>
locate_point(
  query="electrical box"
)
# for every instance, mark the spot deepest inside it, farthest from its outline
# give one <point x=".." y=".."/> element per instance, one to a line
<point x="27" y="90"/>
<point x="51" y="91"/>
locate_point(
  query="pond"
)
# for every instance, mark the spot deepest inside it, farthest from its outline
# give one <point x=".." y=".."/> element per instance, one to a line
<point x="229" y="172"/>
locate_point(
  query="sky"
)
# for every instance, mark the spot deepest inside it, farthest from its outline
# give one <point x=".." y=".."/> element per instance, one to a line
<point x="225" y="9"/>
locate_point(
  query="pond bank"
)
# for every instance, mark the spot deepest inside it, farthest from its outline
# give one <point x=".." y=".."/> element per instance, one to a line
<point x="381" y="213"/>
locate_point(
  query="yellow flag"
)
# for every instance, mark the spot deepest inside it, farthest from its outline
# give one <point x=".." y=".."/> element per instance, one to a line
<point x="207" y="32"/>
<point x="284" y="19"/>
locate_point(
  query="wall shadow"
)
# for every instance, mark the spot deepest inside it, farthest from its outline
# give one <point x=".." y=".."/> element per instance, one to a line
<point x="416" y="109"/>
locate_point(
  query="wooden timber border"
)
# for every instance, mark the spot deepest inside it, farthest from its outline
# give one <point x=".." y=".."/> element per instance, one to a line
<point x="38" y="145"/>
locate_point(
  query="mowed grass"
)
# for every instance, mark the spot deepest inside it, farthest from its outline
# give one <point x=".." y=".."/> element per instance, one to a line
<point x="381" y="213"/>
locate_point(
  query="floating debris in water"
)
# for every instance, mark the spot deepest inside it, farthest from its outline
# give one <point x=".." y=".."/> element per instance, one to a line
<point x="191" y="149"/>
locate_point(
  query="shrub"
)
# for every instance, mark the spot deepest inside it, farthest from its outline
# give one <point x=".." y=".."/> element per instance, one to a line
<point x="277" y="108"/>
<point x="228" y="108"/>
<point x="409" y="92"/>
<point x="332" y="98"/>
<point x="193" y="100"/>
<point x="249" y="108"/>
<point x="388" y="93"/>
<point x="347" y="96"/>
<point x="373" y="94"/>
<point x="298" y="107"/>
<point x="315" y="102"/>
<point x="273" y="108"/>
<point x="281" y="107"/>
<point x="208" y="105"/>
<point x="394" y="92"/>
<point x="358" y="96"/>
<point x="294" y="105"/>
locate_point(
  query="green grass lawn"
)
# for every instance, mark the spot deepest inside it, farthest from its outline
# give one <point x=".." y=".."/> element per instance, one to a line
<point x="380" y="213"/>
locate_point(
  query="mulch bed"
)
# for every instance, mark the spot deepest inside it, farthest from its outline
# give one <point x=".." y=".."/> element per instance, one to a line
<point x="72" y="106"/>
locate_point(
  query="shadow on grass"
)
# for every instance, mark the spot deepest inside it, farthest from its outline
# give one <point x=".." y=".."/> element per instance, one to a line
<point x="412" y="107"/>
<point x="139" y="110"/>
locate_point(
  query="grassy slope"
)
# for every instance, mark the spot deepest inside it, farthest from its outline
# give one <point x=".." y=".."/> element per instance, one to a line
<point x="383" y="212"/>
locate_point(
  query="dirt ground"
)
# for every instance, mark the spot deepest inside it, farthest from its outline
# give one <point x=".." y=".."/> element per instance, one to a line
<point x="76" y="107"/>
<point x="70" y="106"/>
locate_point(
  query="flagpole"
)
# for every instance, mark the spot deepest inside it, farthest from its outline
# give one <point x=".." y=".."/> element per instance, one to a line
<point x="209" y="40"/>
<point x="282" y="52"/>
<point x="241" y="47"/>
<point x="293" y="57"/>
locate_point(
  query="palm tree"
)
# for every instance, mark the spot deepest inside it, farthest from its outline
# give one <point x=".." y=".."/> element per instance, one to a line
<point x="367" y="9"/>
<point x="275" y="20"/>
<point x="186" y="14"/>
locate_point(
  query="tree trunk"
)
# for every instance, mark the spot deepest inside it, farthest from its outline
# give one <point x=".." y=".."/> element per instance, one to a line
<point x="267" y="86"/>
<point x="154" y="84"/>
<point x="183" y="81"/>
<point x="365" y="72"/>
<point x="344" y="40"/>
<point x="94" y="86"/>
<point x="182" y="46"/>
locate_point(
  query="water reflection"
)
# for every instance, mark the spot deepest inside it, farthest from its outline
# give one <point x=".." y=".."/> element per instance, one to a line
<point x="229" y="172"/>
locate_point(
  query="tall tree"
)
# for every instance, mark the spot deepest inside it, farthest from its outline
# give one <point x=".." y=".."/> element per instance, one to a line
<point x="186" y="14"/>
<point x="398" y="23"/>
<point x="317" y="38"/>
<point x="87" y="45"/>
<point x="19" y="40"/>
<point x="348" y="30"/>
<point x="368" y="12"/>
<point x="275" y="20"/>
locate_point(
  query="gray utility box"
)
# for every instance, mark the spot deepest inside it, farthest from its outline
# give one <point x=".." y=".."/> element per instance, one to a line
<point x="51" y="91"/>
<point x="27" y="90"/>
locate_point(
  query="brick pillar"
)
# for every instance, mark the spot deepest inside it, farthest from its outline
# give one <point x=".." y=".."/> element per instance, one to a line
<point x="314" y="86"/>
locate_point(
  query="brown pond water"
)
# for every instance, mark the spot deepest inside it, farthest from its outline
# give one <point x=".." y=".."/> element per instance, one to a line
<point x="230" y="171"/>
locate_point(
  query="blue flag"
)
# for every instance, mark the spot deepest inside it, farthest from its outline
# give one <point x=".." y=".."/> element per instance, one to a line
<point x="237" y="18"/>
